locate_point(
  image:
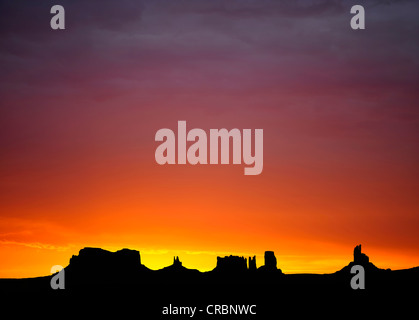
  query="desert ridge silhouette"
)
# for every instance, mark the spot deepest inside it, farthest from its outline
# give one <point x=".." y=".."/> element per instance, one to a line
<point x="120" y="276"/>
<point x="99" y="268"/>
<point x="129" y="286"/>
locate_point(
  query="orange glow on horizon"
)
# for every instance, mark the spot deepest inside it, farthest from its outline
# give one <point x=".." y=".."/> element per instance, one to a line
<point x="32" y="260"/>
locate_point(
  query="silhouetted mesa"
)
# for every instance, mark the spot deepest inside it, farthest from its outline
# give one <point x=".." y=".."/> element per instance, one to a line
<point x="101" y="270"/>
<point x="176" y="262"/>
<point x="270" y="262"/>
<point x="252" y="263"/>
<point x="359" y="257"/>
<point x="231" y="264"/>
<point x="96" y="258"/>
<point x="98" y="266"/>
<point x="100" y="274"/>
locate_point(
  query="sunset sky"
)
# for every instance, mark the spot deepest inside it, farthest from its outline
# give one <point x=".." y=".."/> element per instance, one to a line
<point x="79" y="109"/>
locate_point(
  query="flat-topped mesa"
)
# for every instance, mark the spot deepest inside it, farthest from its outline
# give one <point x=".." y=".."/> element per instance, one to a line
<point x="231" y="264"/>
<point x="95" y="259"/>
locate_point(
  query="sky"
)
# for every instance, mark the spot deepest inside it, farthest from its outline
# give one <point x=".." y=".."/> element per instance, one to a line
<point x="79" y="109"/>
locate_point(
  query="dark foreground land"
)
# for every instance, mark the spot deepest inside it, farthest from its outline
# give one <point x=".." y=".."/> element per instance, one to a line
<point x="102" y="283"/>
